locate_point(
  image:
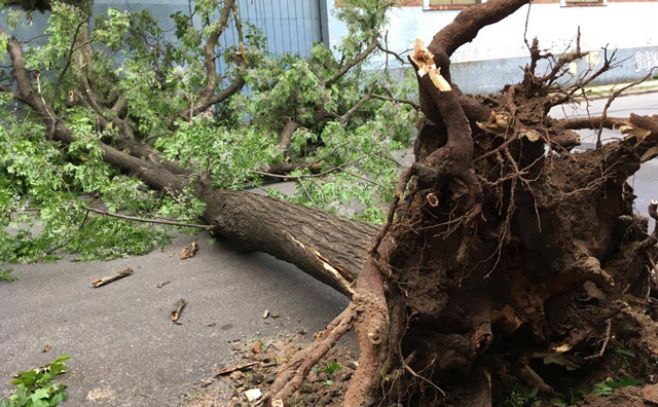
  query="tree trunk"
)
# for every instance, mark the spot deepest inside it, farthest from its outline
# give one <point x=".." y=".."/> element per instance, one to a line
<point x="327" y="247"/>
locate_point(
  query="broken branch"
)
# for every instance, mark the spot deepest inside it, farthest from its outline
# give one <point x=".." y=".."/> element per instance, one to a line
<point x="145" y="220"/>
<point x="107" y="280"/>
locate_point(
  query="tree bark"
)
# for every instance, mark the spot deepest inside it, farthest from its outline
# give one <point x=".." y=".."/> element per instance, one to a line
<point x="327" y="247"/>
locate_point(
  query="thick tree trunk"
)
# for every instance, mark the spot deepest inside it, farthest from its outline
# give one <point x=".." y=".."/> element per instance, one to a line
<point x="327" y="247"/>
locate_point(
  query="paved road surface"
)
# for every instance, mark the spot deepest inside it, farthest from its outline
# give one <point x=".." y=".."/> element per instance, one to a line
<point x="124" y="348"/>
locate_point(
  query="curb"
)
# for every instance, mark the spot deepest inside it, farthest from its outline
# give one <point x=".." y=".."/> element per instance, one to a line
<point x="603" y="91"/>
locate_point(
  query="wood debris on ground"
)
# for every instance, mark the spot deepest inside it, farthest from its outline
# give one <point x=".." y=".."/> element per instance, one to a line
<point x="108" y="279"/>
<point x="177" y="309"/>
<point x="189" y="251"/>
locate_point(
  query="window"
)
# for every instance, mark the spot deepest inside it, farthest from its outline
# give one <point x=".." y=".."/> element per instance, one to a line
<point x="443" y="4"/>
<point x="583" y="2"/>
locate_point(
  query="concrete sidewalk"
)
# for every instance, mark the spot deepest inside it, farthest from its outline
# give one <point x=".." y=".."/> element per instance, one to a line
<point x="125" y="349"/>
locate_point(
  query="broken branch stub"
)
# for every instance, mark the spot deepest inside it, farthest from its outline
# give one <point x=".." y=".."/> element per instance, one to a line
<point x="424" y="61"/>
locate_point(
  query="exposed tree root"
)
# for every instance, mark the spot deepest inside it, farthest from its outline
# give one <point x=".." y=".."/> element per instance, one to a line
<point x="503" y="248"/>
<point x="292" y="375"/>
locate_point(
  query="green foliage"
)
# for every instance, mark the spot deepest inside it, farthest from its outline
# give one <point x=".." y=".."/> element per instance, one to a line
<point x="5" y="275"/>
<point x="34" y="388"/>
<point x="45" y="186"/>
<point x="609" y="385"/>
<point x="227" y="155"/>
<point x="521" y="397"/>
<point x="330" y="369"/>
<point x="36" y="174"/>
<point x="365" y="20"/>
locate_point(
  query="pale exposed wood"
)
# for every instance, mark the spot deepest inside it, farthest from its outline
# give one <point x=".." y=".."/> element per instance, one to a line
<point x="107" y="280"/>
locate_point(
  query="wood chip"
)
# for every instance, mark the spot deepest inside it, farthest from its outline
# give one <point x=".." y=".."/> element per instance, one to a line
<point x="162" y="284"/>
<point x="177" y="309"/>
<point x="107" y="280"/>
<point x="189" y="251"/>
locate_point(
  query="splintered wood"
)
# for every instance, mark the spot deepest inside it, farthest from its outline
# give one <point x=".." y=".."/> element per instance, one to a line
<point x="189" y="251"/>
<point x="177" y="309"/>
<point x="424" y="59"/>
<point x="107" y="280"/>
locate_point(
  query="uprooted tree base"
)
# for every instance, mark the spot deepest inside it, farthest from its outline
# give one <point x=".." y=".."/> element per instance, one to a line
<point x="503" y="250"/>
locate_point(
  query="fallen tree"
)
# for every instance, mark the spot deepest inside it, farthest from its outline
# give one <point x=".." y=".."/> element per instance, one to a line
<point x="307" y="237"/>
<point x="502" y="247"/>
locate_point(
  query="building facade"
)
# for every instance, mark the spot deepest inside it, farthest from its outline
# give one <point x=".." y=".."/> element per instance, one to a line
<point x="494" y="58"/>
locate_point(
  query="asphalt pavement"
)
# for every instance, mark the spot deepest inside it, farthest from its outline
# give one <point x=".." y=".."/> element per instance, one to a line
<point x="125" y="350"/>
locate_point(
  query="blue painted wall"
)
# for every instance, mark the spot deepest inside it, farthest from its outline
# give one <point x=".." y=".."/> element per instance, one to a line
<point x="290" y="26"/>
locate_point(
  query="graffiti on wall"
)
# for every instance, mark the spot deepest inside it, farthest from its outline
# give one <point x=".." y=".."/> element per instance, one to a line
<point x="645" y="60"/>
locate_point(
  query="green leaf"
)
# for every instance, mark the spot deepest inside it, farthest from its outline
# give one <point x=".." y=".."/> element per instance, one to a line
<point x="40" y="394"/>
<point x="625" y="352"/>
<point x="332" y="367"/>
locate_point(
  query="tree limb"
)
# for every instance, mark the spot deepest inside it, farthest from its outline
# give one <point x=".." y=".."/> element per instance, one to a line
<point x="145" y="220"/>
<point x="206" y="98"/>
<point x="352" y="63"/>
<point x="465" y="27"/>
<point x="593" y="123"/>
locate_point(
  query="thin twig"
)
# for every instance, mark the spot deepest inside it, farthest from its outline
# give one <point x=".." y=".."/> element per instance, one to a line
<point x="69" y="54"/>
<point x="395" y="100"/>
<point x="393" y="53"/>
<point x="145" y="220"/>
<point x="297" y="177"/>
<point x="369" y="181"/>
<point x="352" y="63"/>
<point x="606" y="339"/>
<point x="612" y="97"/>
<point x="358" y="105"/>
